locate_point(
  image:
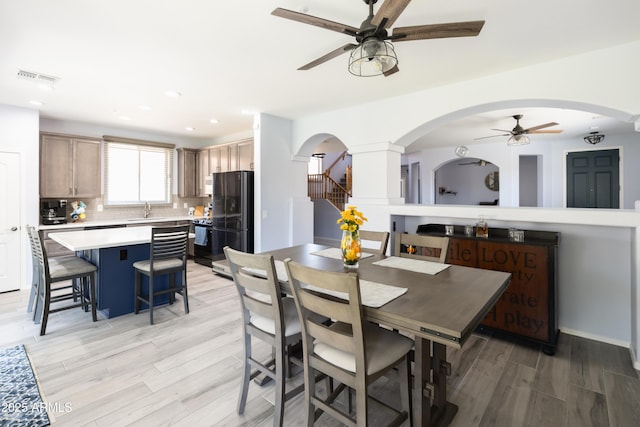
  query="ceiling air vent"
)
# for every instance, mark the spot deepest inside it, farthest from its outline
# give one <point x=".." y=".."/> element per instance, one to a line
<point x="38" y="78"/>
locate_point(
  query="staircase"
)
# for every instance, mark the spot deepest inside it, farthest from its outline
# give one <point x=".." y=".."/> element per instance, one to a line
<point x="323" y="186"/>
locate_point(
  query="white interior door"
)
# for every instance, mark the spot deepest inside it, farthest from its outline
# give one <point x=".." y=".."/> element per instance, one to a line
<point x="9" y="221"/>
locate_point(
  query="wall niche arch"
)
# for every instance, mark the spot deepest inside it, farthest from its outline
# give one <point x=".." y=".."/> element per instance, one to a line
<point x="467" y="181"/>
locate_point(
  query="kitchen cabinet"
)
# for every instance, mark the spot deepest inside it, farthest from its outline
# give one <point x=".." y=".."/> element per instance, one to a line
<point x="70" y="166"/>
<point x="528" y="308"/>
<point x="219" y="159"/>
<point x="187" y="177"/>
<point x="222" y="158"/>
<point x="203" y="170"/>
<point x="245" y="155"/>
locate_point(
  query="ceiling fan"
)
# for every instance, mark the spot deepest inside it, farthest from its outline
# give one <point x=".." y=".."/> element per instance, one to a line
<point x="479" y="163"/>
<point x="518" y="135"/>
<point x="374" y="54"/>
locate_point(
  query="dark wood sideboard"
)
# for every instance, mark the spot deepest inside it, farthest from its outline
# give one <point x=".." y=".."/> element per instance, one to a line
<point x="528" y="309"/>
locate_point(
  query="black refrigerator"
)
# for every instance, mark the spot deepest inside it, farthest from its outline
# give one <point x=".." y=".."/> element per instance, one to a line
<point x="232" y="212"/>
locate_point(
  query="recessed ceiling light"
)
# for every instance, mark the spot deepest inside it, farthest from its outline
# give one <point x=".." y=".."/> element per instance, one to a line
<point x="35" y="102"/>
<point x="189" y="128"/>
<point x="144" y="107"/>
<point x="173" y="94"/>
<point x="214" y="121"/>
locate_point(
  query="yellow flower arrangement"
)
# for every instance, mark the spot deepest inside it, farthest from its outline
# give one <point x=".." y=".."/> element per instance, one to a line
<point x="350" y="221"/>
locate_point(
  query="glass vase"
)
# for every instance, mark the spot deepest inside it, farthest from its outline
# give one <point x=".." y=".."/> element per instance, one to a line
<point x="350" y="247"/>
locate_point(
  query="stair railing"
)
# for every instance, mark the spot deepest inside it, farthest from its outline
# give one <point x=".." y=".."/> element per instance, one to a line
<point x="323" y="186"/>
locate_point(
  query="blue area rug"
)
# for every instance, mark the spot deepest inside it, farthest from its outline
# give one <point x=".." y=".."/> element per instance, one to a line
<point x="20" y="400"/>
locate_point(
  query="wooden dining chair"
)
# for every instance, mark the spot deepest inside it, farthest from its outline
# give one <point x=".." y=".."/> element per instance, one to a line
<point x="351" y="350"/>
<point x="380" y="237"/>
<point x="168" y="256"/>
<point x="416" y="246"/>
<point x="269" y="316"/>
<point x="63" y="279"/>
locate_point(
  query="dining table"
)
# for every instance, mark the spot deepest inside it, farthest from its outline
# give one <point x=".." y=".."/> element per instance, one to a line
<point x="439" y="305"/>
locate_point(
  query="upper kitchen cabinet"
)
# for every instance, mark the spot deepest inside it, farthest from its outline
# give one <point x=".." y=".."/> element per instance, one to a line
<point x="222" y="158"/>
<point x="203" y="171"/>
<point x="245" y="155"/>
<point x="219" y="159"/>
<point x="70" y="166"/>
<point x="187" y="186"/>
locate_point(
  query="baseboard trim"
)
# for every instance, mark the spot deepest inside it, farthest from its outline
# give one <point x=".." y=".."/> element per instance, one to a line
<point x="607" y="340"/>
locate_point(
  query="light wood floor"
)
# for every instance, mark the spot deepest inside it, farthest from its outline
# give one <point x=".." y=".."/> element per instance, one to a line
<point x="185" y="370"/>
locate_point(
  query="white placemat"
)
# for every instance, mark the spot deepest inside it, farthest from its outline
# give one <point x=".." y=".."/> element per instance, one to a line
<point x="372" y="294"/>
<point x="336" y="253"/>
<point x="418" y="265"/>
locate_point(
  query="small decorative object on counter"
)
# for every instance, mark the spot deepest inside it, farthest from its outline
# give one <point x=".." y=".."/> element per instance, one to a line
<point x="78" y="211"/>
<point x="468" y="230"/>
<point x="482" y="228"/>
<point x="518" y="235"/>
<point x="411" y="249"/>
<point x="350" y="221"/>
<point x="448" y="230"/>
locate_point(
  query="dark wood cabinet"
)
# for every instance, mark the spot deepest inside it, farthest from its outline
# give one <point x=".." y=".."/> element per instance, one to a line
<point x="528" y="308"/>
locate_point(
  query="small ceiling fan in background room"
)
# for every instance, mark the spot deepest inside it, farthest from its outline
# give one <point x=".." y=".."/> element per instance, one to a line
<point x="477" y="163"/>
<point x="374" y="55"/>
<point x="518" y="135"/>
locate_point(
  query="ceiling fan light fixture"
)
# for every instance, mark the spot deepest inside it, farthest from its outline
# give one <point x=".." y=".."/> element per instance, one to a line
<point x="372" y="57"/>
<point x="518" y="140"/>
<point x="594" y="138"/>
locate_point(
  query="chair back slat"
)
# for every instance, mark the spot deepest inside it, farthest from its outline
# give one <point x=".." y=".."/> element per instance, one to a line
<point x="380" y="237"/>
<point x="428" y="248"/>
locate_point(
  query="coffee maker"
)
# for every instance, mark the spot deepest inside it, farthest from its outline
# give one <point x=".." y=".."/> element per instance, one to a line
<point x="53" y="212"/>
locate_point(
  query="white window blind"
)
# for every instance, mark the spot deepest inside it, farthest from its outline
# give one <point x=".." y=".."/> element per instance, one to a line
<point x="137" y="172"/>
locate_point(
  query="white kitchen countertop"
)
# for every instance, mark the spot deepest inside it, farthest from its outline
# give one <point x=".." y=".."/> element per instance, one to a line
<point x="81" y="240"/>
<point x="115" y="222"/>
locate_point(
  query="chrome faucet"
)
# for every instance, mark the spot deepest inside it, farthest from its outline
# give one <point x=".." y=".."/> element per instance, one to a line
<point x="147" y="209"/>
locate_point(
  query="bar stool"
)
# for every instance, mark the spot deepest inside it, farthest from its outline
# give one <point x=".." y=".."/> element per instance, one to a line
<point x="61" y="271"/>
<point x="168" y="256"/>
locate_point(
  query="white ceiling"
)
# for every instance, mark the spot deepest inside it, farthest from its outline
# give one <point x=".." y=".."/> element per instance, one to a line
<point x="229" y="56"/>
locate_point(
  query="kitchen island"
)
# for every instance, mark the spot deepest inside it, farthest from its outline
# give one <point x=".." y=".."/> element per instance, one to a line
<point x="113" y="251"/>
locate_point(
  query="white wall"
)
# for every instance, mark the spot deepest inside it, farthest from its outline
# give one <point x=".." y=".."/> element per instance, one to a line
<point x="283" y="211"/>
<point x="19" y="134"/>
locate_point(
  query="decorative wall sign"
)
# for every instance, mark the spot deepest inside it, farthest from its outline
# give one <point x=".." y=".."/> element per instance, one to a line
<point x="492" y="181"/>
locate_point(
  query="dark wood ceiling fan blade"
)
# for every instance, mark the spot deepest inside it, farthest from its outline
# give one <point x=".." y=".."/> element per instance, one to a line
<point x="503" y="130"/>
<point x="546" y="125"/>
<point x="546" y="131"/>
<point x="394" y="70"/>
<point x="437" y="31"/>
<point x="337" y="52"/>
<point x="390" y="9"/>
<point x="314" y="20"/>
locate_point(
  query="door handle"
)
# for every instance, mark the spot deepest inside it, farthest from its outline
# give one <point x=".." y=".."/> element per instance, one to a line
<point x="14" y="228"/>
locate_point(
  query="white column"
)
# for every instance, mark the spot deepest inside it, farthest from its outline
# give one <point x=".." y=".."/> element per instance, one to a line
<point x="376" y="182"/>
